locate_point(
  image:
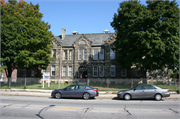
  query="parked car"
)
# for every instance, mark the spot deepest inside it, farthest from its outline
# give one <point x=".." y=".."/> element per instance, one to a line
<point x="82" y="91"/>
<point x="144" y="91"/>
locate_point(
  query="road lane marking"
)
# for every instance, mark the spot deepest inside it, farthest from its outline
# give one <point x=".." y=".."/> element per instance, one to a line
<point x="67" y="108"/>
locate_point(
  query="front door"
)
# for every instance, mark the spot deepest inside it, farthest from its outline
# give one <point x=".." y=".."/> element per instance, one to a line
<point x="69" y="91"/>
<point x="82" y="72"/>
<point x="138" y="92"/>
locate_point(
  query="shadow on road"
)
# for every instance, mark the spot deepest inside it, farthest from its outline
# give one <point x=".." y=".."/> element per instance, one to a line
<point x="70" y="98"/>
<point x="115" y="98"/>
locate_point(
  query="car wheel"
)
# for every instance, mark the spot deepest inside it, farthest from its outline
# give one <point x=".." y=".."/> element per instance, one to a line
<point x="127" y="96"/>
<point x="58" y="95"/>
<point x="86" y="96"/>
<point x="158" y="97"/>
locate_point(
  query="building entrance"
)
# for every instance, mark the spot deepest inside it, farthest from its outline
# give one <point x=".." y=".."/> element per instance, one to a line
<point x="82" y="72"/>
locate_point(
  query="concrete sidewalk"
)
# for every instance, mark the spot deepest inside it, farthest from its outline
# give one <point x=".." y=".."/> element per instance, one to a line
<point x="47" y="93"/>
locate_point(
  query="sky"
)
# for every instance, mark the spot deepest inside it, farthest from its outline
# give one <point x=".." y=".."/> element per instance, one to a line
<point x="83" y="16"/>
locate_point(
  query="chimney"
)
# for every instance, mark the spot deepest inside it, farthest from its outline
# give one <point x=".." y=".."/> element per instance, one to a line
<point x="63" y="32"/>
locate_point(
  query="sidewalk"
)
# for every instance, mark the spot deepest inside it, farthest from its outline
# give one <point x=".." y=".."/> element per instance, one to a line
<point x="47" y="93"/>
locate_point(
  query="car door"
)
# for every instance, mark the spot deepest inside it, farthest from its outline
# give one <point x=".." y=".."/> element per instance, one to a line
<point x="138" y="92"/>
<point x="69" y="91"/>
<point x="80" y="89"/>
<point x="150" y="91"/>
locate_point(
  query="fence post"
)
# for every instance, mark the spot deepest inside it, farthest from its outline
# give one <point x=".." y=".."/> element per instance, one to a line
<point x="107" y="85"/>
<point x="43" y="83"/>
<point x="175" y="85"/>
<point x="59" y="84"/>
<point x="88" y="81"/>
<point x="25" y="82"/>
<point x="132" y="83"/>
<point x="63" y="83"/>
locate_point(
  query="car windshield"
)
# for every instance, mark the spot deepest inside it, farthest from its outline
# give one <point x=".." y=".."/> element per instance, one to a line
<point x="134" y="87"/>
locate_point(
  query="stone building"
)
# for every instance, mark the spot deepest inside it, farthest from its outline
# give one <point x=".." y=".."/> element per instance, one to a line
<point x="88" y="56"/>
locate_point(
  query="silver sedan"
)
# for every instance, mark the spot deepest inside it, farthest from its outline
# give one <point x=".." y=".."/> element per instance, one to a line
<point x="144" y="92"/>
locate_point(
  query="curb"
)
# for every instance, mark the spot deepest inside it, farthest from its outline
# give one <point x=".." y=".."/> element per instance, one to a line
<point x="47" y="93"/>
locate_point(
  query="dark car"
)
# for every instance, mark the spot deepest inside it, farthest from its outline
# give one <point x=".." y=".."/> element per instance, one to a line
<point x="82" y="91"/>
<point x="144" y="92"/>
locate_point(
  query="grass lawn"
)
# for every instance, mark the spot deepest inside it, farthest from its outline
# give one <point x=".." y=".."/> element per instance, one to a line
<point x="101" y="87"/>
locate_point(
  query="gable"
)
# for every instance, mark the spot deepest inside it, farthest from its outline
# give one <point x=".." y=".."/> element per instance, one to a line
<point x="82" y="40"/>
<point x="56" y="43"/>
<point x="111" y="39"/>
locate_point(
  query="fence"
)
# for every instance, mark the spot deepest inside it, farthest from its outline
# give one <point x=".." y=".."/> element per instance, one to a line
<point x="101" y="84"/>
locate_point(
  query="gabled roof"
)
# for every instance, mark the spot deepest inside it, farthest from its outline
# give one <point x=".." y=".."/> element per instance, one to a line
<point x="96" y="39"/>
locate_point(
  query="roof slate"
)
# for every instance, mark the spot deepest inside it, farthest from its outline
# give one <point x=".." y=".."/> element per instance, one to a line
<point x="97" y="39"/>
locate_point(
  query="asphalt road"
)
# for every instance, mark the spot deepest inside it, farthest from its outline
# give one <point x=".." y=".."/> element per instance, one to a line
<point x="23" y="107"/>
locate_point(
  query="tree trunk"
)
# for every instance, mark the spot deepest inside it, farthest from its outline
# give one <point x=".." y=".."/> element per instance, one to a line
<point x="144" y="70"/>
<point x="8" y="75"/>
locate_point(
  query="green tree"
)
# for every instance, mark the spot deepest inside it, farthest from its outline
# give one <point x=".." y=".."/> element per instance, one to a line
<point x="147" y="36"/>
<point x="174" y="73"/>
<point x="25" y="39"/>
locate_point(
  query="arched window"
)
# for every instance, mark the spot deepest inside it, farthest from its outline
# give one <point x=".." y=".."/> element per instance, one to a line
<point x="82" y="42"/>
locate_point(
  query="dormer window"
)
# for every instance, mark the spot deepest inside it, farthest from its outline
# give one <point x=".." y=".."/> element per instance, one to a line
<point x="82" y="42"/>
<point x="106" y="31"/>
<point x="75" y="33"/>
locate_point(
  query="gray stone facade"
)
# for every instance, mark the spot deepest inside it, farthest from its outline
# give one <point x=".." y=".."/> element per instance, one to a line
<point x="77" y="58"/>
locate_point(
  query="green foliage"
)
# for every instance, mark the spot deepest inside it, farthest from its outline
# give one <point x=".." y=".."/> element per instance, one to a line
<point x="25" y="38"/>
<point x="174" y="74"/>
<point x="147" y="37"/>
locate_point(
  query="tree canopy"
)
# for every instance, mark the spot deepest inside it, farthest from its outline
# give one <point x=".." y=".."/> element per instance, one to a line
<point x="25" y="38"/>
<point x="147" y="36"/>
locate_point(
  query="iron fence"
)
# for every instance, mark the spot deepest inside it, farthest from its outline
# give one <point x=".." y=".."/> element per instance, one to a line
<point x="102" y="84"/>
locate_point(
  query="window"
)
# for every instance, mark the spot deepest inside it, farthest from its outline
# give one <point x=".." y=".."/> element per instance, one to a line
<point x="82" y="42"/>
<point x="149" y="87"/>
<point x="95" y="54"/>
<point x="141" y="87"/>
<point x="80" y="87"/>
<point x="71" y="87"/>
<point x="138" y="72"/>
<point x="80" y="54"/>
<point x="112" y="54"/>
<point x="101" y="57"/>
<point x="54" y="53"/>
<point x="64" y="70"/>
<point x="33" y="72"/>
<point x="70" y="71"/>
<point x="85" y="54"/>
<point x="112" y="70"/>
<point x="65" y="55"/>
<point x="53" y="69"/>
<point x="159" y="73"/>
<point x="70" y="55"/>
<point x="24" y="73"/>
<point x="123" y="73"/>
<point x="101" y="71"/>
<point x="95" y="71"/>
